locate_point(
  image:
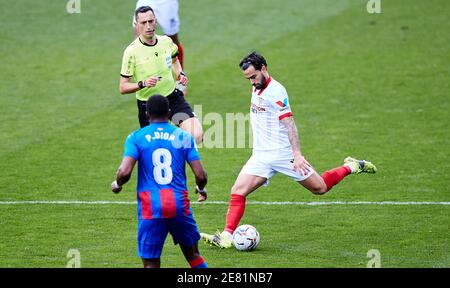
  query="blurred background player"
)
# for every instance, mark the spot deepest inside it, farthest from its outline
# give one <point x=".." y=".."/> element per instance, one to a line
<point x="166" y="12"/>
<point x="150" y="66"/>
<point x="276" y="148"/>
<point x="161" y="151"/>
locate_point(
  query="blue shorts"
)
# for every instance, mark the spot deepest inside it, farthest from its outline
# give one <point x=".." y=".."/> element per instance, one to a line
<point x="152" y="234"/>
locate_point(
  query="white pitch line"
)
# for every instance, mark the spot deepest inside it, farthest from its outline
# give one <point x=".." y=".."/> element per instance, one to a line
<point x="73" y="202"/>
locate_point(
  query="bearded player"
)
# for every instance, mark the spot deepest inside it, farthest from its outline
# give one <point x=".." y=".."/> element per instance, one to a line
<point x="276" y="148"/>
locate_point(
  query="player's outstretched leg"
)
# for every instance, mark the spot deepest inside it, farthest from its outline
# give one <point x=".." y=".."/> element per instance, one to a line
<point x="360" y="166"/>
<point x="321" y="184"/>
<point x="351" y="166"/>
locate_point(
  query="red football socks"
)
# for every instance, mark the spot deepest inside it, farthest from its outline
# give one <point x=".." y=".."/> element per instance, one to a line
<point x="198" y="262"/>
<point x="236" y="206"/>
<point x="334" y="176"/>
<point x="235" y="212"/>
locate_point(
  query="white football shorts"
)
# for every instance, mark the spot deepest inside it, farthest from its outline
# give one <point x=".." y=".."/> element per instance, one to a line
<point x="268" y="164"/>
<point x="166" y="13"/>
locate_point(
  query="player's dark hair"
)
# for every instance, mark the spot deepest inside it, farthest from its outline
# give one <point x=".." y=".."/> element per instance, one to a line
<point x="143" y="9"/>
<point x="255" y="59"/>
<point x="157" y="107"/>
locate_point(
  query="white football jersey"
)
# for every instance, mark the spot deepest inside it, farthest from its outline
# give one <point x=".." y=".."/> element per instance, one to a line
<point x="268" y="106"/>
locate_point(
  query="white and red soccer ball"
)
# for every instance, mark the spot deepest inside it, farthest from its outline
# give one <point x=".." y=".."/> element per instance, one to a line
<point x="246" y="238"/>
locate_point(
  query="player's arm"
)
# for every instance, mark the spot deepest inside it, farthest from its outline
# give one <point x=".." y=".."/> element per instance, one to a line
<point x="300" y="163"/>
<point x="178" y="71"/>
<point x="123" y="173"/>
<point x="201" y="178"/>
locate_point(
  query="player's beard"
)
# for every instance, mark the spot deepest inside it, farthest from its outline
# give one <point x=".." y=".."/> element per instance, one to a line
<point x="259" y="86"/>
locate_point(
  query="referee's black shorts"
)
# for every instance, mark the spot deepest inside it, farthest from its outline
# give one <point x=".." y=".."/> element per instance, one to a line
<point x="179" y="109"/>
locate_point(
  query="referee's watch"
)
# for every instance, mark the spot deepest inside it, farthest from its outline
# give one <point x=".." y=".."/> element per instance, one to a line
<point x="141" y="84"/>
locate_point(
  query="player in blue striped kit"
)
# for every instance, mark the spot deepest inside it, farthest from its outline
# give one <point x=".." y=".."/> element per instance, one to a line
<point x="161" y="151"/>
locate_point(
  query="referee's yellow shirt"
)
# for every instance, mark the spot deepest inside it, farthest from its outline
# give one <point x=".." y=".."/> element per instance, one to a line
<point x="141" y="61"/>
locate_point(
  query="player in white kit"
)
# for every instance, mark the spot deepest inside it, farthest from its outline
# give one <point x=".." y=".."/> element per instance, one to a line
<point x="166" y="12"/>
<point x="276" y="148"/>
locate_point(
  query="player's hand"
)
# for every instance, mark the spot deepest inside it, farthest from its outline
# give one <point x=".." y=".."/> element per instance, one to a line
<point x="115" y="187"/>
<point x="301" y="165"/>
<point x="202" y="194"/>
<point x="152" y="81"/>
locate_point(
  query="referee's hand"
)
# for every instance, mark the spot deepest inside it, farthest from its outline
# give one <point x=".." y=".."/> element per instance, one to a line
<point x="183" y="79"/>
<point x="152" y="81"/>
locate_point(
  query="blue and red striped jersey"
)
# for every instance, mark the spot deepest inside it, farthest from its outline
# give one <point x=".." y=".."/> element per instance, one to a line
<point x="161" y="150"/>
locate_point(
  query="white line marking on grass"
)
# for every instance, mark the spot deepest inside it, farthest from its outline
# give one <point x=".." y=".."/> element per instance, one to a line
<point x="350" y="203"/>
<point x="73" y="202"/>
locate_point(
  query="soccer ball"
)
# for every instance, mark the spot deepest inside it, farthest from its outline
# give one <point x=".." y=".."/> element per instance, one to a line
<point x="246" y="238"/>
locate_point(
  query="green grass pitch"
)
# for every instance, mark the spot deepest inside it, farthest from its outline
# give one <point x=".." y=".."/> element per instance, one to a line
<point x="372" y="86"/>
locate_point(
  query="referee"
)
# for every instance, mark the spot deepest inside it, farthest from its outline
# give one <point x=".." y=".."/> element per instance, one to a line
<point x="150" y="66"/>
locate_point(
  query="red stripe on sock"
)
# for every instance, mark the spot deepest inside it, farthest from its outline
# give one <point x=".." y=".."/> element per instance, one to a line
<point x="235" y="212"/>
<point x="197" y="261"/>
<point x="334" y="176"/>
